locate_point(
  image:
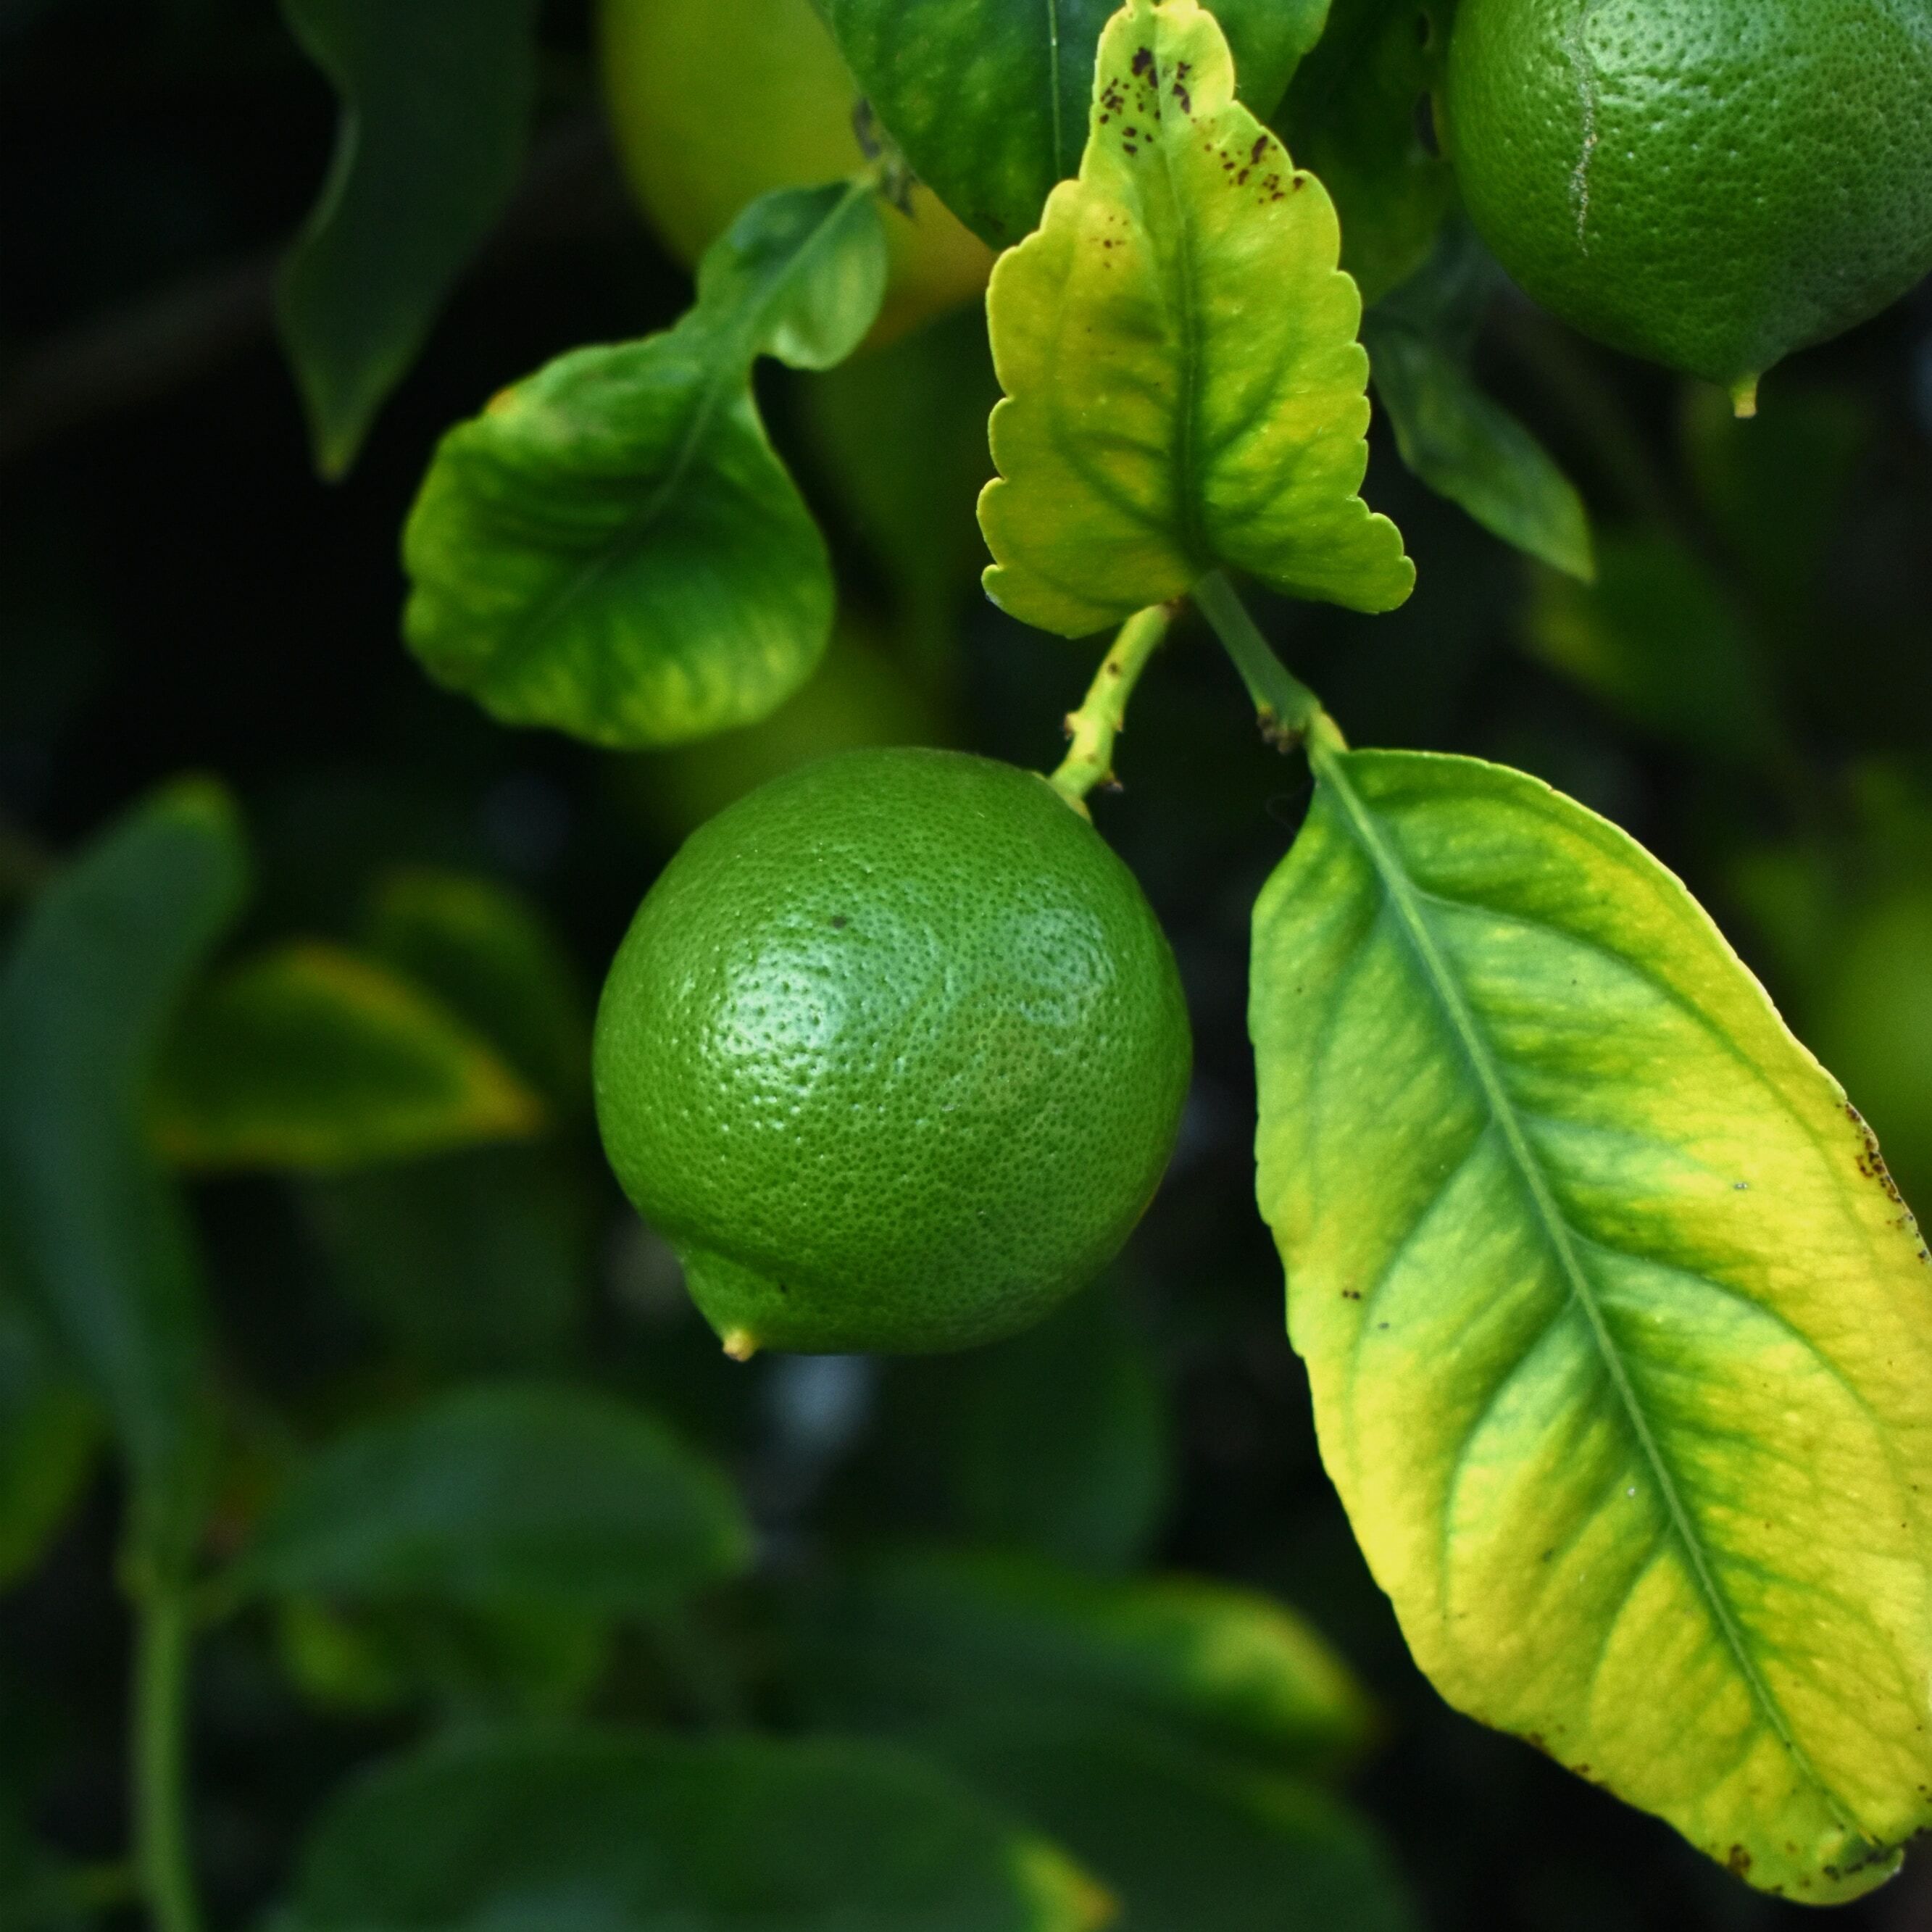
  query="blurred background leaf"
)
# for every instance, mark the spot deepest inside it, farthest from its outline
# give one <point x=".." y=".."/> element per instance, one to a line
<point x="436" y="97"/>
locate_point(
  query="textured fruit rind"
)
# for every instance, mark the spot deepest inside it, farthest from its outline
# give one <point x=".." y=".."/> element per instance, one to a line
<point x="894" y="1054"/>
<point x="1712" y="183"/>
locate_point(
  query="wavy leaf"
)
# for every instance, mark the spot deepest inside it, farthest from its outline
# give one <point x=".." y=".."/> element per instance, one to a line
<point x="612" y="548"/>
<point x="1184" y="389"/>
<point x="600" y="1831"/>
<point x="1620" y="1336"/>
<point x="436" y="107"/>
<point x="989" y="99"/>
<point x="310" y="1057"/>
<point x="102" y="1241"/>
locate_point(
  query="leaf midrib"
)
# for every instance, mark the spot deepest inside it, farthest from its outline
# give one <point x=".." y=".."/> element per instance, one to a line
<point x="726" y="371"/>
<point x="1331" y="771"/>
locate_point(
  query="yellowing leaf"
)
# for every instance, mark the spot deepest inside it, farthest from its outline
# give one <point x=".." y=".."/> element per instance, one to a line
<point x="1620" y="1336"/>
<point x="312" y="1058"/>
<point x="1184" y="389"/>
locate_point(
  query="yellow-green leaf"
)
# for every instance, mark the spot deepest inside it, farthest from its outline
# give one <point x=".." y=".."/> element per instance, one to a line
<point x="1184" y="387"/>
<point x="311" y="1057"/>
<point x="1620" y="1336"/>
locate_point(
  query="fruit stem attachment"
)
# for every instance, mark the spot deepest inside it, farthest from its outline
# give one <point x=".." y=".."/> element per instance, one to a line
<point x="1103" y="717"/>
<point x="1290" y="713"/>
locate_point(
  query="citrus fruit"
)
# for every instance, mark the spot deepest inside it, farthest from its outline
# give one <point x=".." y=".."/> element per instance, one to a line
<point x="1711" y="184"/>
<point x="715" y="104"/>
<point x="893" y="1055"/>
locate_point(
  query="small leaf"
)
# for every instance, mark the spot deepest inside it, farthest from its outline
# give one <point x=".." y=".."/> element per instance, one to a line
<point x="913" y="1639"/>
<point x="49" y="1433"/>
<point x="1167" y="1830"/>
<point x="508" y="1496"/>
<point x="1659" y="640"/>
<point x="1356" y="114"/>
<point x="591" y="1831"/>
<point x="312" y="1058"/>
<point x="1065" y="1445"/>
<point x="436" y="107"/>
<point x="490" y="957"/>
<point x="101" y="1239"/>
<point x="1620" y="1336"/>
<point x="1184" y="387"/>
<point x="612" y="548"/>
<point x="466" y="1262"/>
<point x="1464" y="445"/>
<point x="989" y="98"/>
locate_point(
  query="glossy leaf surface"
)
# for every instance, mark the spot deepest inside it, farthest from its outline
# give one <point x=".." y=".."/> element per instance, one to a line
<point x="1620" y="1336"/>
<point x="915" y="1639"/>
<point x="436" y="106"/>
<point x="97" y="1234"/>
<point x="1167" y="1830"/>
<point x="989" y="99"/>
<point x="1453" y="435"/>
<point x="309" y="1057"/>
<point x="612" y="548"/>
<point x="1356" y="113"/>
<point x="509" y="1494"/>
<point x="587" y="1831"/>
<point x="1184" y="389"/>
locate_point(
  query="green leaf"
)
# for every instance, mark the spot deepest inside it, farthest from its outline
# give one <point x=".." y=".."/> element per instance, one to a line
<point x="612" y="548"/>
<point x="309" y="1057"/>
<point x="101" y="1241"/>
<point x="49" y="1433"/>
<point x="492" y="959"/>
<point x="466" y="1262"/>
<point x="1065" y="1443"/>
<point x="1620" y="1336"/>
<point x="1184" y="389"/>
<point x="912" y="1639"/>
<point x="989" y="98"/>
<point x="1168" y="1831"/>
<point x="516" y="1496"/>
<point x="436" y="107"/>
<point x="1460" y="441"/>
<point x="585" y="1832"/>
<point x="1662" y="643"/>
<point x="1355" y="114"/>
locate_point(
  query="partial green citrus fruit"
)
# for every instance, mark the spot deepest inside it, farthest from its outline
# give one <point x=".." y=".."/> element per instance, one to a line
<point x="1712" y="183"/>
<point x="893" y="1055"/>
<point x="716" y="103"/>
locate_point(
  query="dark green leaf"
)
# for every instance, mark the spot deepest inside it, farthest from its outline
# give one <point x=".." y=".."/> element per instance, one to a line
<point x="1185" y="1842"/>
<point x="1065" y="1444"/>
<point x="436" y="107"/>
<point x="467" y="1262"/>
<point x="102" y="1242"/>
<point x="1355" y="114"/>
<point x="492" y="958"/>
<point x="310" y="1057"/>
<point x="602" y="1832"/>
<point x="1661" y="641"/>
<point x="989" y="99"/>
<point x="1463" y="444"/>
<point x="911" y="1640"/>
<point x="612" y="548"/>
<point x="511" y="1495"/>
<point x="49" y="1432"/>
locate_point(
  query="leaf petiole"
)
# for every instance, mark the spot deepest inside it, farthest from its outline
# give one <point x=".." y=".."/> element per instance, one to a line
<point x="1290" y="713"/>
<point x="1103" y="716"/>
<point x="163" y="1639"/>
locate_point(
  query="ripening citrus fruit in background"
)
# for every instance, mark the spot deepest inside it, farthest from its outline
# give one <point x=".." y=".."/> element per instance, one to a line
<point x="714" y="103"/>
<point x="1712" y="183"/>
<point x="893" y="1055"/>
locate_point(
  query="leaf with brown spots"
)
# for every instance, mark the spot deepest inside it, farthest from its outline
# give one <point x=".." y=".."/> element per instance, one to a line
<point x="1184" y="387"/>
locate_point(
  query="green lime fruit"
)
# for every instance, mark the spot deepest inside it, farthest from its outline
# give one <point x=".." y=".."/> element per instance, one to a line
<point x="893" y="1055"/>
<point x="715" y="104"/>
<point x="1711" y="184"/>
